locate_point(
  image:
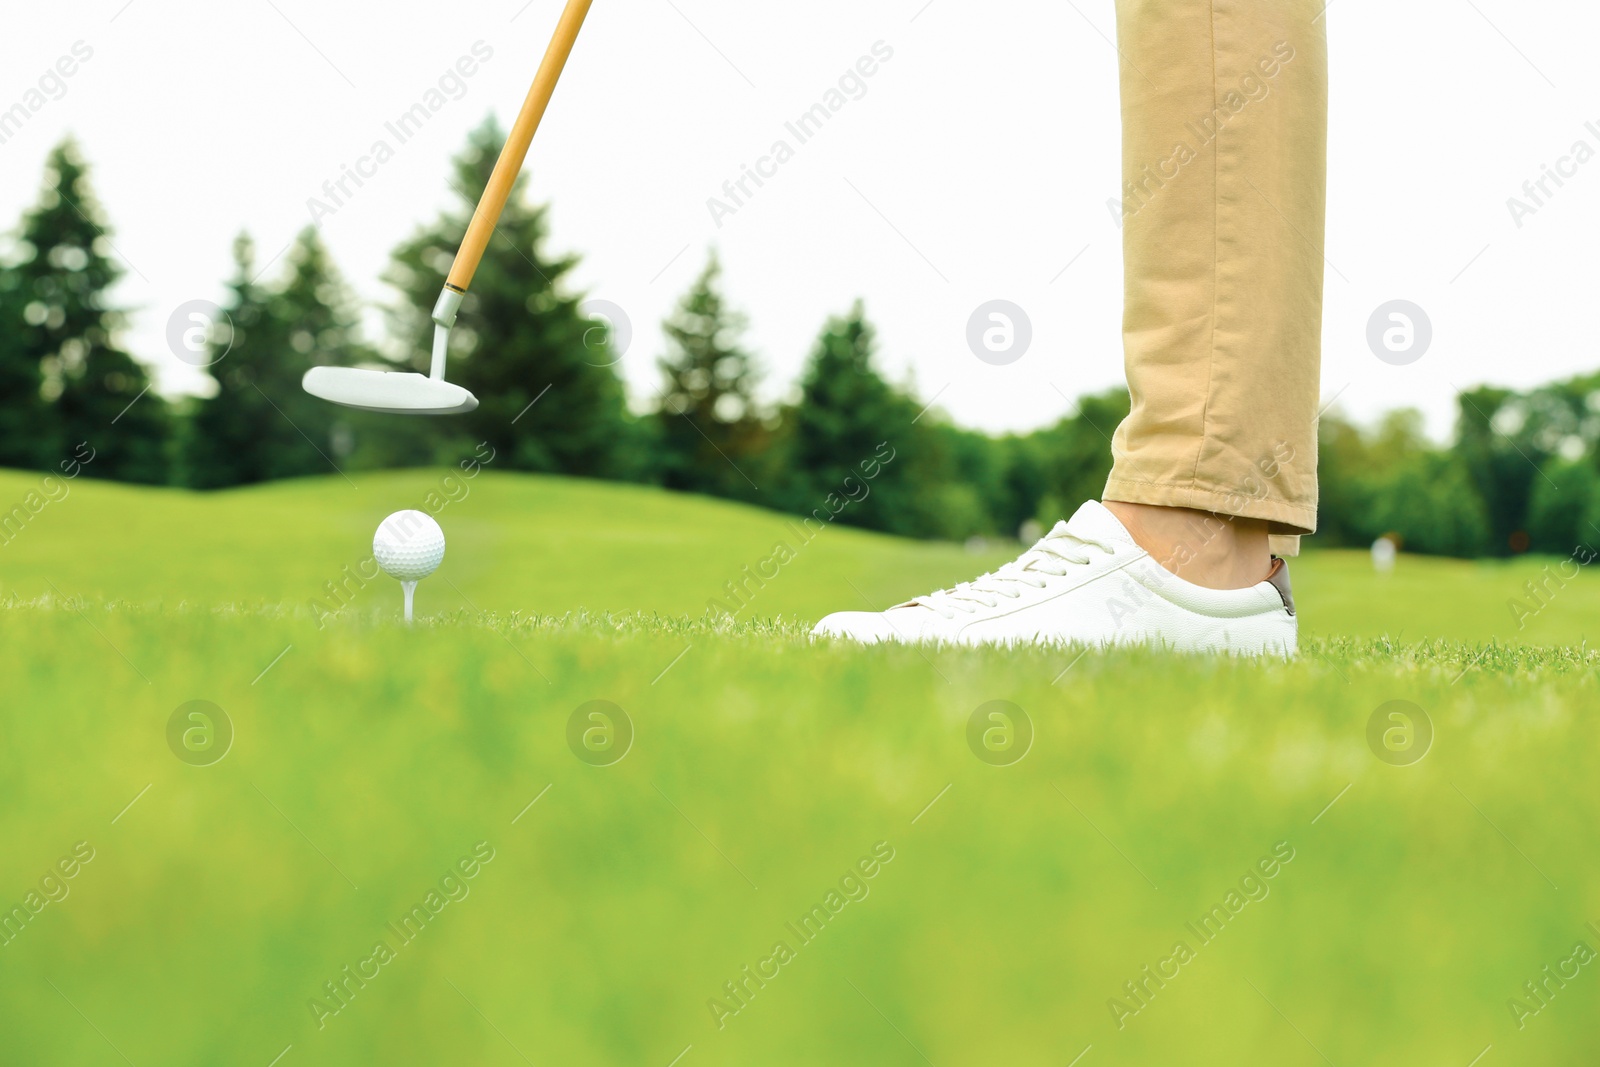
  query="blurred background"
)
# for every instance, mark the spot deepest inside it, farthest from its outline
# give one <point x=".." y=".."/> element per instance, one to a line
<point x="203" y="202"/>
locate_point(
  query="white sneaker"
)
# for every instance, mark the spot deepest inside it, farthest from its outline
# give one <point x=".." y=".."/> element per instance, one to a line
<point x="1087" y="582"/>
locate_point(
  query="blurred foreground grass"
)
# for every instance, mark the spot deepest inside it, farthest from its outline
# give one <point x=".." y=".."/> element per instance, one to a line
<point x="1008" y="906"/>
<point x="368" y="762"/>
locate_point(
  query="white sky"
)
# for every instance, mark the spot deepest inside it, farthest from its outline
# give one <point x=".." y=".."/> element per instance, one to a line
<point x="977" y="167"/>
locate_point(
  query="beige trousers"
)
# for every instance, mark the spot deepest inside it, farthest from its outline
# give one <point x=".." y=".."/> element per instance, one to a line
<point x="1224" y="157"/>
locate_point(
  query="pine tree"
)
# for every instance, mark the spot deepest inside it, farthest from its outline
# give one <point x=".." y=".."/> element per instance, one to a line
<point x="321" y="317"/>
<point x="101" y="395"/>
<point x="25" y="428"/>
<point x="1499" y="444"/>
<point x="260" y="424"/>
<point x="847" y="421"/>
<point x="548" y="400"/>
<point x="710" y="437"/>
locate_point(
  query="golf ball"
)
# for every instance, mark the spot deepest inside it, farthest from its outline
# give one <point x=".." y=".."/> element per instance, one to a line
<point x="409" y="546"/>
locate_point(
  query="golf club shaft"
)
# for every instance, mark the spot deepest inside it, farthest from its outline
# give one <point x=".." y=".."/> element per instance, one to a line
<point x="516" y="147"/>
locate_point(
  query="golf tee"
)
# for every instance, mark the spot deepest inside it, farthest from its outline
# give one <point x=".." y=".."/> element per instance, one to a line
<point x="410" y="589"/>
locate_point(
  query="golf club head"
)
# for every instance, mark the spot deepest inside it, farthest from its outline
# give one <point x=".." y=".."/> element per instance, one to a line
<point x="390" y="392"/>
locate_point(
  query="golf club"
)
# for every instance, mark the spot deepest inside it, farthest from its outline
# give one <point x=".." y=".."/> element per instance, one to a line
<point x="409" y="393"/>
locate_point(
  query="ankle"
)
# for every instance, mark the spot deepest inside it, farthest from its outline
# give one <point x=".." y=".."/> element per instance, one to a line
<point x="1213" y="551"/>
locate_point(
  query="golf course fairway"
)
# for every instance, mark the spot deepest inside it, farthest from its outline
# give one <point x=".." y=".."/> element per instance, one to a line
<point x="575" y="816"/>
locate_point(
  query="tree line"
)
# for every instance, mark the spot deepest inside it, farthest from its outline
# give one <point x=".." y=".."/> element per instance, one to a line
<point x="1522" y="472"/>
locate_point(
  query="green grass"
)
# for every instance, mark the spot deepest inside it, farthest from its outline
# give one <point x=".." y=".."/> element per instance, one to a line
<point x="549" y="546"/>
<point x="369" y="758"/>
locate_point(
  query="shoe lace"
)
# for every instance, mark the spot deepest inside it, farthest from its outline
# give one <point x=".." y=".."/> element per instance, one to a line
<point x="1053" y="556"/>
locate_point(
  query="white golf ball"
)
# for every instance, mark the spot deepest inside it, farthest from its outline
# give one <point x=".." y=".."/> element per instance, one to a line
<point x="409" y="546"/>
